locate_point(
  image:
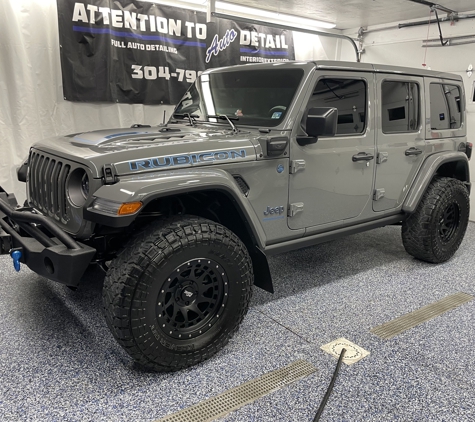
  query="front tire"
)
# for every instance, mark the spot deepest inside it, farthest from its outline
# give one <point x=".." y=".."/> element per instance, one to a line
<point x="178" y="292"/>
<point x="437" y="227"/>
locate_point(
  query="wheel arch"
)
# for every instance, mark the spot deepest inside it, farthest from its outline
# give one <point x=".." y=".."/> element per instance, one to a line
<point x="211" y="194"/>
<point x="452" y="164"/>
<point x="223" y="207"/>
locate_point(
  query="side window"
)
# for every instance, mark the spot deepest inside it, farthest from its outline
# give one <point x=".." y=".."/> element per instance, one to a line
<point x="445" y="106"/>
<point x="400" y="103"/>
<point x="348" y="96"/>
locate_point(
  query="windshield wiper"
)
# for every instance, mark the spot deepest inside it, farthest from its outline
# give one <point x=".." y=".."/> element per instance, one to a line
<point x="225" y="117"/>
<point x="191" y="117"/>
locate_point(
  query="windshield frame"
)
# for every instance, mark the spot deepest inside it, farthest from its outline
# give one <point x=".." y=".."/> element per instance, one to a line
<point x="306" y="69"/>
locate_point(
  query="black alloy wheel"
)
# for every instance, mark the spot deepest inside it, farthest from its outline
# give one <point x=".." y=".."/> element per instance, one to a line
<point x="191" y="298"/>
<point x="434" y="232"/>
<point x="449" y="222"/>
<point x="177" y="292"/>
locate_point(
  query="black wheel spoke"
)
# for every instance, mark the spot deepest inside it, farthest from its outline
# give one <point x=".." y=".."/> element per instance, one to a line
<point x="195" y="309"/>
<point x="449" y="222"/>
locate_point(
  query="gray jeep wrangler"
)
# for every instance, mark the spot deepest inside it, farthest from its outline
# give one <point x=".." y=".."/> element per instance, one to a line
<point x="256" y="160"/>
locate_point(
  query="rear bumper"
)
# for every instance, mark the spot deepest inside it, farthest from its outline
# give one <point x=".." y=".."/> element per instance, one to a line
<point x="45" y="248"/>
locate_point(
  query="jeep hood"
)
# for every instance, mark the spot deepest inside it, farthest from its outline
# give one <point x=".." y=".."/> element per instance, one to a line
<point x="137" y="150"/>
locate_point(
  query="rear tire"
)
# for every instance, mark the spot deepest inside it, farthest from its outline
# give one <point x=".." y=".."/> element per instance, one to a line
<point x="437" y="227"/>
<point x="178" y="292"/>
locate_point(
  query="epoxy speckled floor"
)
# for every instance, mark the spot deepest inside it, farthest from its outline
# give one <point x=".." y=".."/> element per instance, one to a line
<point x="58" y="361"/>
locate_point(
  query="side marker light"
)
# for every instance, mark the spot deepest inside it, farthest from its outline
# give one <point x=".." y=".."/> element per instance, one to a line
<point x="129" y="208"/>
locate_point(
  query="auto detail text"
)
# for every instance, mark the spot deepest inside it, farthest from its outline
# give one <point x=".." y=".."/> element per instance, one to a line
<point x="121" y="23"/>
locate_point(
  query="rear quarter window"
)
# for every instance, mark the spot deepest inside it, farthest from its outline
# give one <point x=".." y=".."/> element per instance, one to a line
<point x="445" y="106"/>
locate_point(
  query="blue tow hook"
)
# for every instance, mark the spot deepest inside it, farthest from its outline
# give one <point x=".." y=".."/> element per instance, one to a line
<point x="16" y="255"/>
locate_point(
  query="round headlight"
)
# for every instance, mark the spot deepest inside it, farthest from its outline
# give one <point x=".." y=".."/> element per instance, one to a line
<point x="78" y="187"/>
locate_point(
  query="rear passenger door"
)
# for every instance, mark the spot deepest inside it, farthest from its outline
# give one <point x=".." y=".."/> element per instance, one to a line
<point x="401" y="146"/>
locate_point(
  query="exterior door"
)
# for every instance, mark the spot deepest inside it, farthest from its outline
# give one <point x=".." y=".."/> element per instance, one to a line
<point x="331" y="180"/>
<point x="400" y="139"/>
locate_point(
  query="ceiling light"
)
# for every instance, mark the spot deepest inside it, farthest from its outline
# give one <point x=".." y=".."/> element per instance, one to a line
<point x="267" y="14"/>
<point x="250" y="12"/>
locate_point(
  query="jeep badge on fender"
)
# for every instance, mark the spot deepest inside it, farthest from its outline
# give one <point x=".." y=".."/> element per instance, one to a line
<point x="275" y="210"/>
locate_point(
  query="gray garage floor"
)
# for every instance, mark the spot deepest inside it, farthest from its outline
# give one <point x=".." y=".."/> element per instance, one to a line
<point x="58" y="361"/>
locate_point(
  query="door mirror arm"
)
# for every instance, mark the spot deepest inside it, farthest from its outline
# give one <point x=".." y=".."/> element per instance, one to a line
<point x="306" y="140"/>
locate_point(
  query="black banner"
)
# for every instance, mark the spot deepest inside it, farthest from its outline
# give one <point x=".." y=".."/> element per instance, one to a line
<point x="130" y="51"/>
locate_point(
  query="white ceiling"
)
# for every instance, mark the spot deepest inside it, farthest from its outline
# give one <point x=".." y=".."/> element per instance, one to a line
<point x="347" y="14"/>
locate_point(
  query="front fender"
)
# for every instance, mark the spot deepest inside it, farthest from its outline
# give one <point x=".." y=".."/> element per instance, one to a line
<point x="150" y="186"/>
<point x="426" y="173"/>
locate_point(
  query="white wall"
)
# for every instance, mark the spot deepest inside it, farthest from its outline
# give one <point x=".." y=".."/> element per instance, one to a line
<point x="31" y="95"/>
<point x="403" y="47"/>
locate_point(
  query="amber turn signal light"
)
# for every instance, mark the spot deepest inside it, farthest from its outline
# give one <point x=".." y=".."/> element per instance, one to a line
<point x="129" y="208"/>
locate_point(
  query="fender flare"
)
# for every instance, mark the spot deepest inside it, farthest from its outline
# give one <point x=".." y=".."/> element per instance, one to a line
<point x="151" y="186"/>
<point x="426" y="173"/>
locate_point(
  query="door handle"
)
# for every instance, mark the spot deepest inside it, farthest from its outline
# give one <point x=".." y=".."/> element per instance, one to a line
<point x="412" y="151"/>
<point x="362" y="156"/>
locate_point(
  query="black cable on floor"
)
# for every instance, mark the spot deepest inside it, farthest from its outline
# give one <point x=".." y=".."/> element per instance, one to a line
<point x="330" y="387"/>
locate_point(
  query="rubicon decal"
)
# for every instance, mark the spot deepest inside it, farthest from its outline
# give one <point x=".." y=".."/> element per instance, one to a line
<point x="184" y="160"/>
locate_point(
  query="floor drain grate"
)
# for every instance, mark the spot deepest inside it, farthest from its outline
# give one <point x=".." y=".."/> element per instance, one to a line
<point x="397" y="326"/>
<point x="353" y="354"/>
<point x="243" y="394"/>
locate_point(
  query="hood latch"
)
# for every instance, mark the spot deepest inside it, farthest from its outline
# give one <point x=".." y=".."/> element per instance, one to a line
<point x="109" y="173"/>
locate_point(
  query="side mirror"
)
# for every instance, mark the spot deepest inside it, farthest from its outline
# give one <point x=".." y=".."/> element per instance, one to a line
<point x="320" y="121"/>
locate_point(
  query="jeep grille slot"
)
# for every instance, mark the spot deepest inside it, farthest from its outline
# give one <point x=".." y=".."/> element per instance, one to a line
<point x="47" y="185"/>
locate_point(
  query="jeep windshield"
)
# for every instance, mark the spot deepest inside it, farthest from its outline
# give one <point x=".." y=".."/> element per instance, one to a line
<point x="256" y="97"/>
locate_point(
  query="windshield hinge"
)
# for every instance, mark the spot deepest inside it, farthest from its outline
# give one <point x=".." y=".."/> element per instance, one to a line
<point x="296" y="165"/>
<point x="109" y="174"/>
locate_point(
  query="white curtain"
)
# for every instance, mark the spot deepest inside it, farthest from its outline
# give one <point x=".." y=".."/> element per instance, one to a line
<point x="31" y="94"/>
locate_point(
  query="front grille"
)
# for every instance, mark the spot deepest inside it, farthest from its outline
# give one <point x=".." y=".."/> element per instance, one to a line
<point x="47" y="185"/>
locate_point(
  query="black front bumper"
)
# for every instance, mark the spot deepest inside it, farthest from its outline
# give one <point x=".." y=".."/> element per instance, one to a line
<point x="45" y="248"/>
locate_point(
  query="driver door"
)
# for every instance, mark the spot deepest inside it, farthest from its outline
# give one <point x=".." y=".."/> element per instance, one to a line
<point x="331" y="180"/>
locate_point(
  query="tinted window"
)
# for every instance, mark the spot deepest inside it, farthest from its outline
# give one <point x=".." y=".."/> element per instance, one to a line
<point x="445" y="107"/>
<point x="348" y="96"/>
<point x="254" y="97"/>
<point x="258" y="97"/>
<point x="400" y="106"/>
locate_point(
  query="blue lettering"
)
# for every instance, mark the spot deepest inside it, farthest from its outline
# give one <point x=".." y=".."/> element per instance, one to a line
<point x="134" y="165"/>
<point x="181" y="159"/>
<point x="235" y="154"/>
<point x="161" y="162"/>
<point x="221" y="155"/>
<point x="207" y="156"/>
